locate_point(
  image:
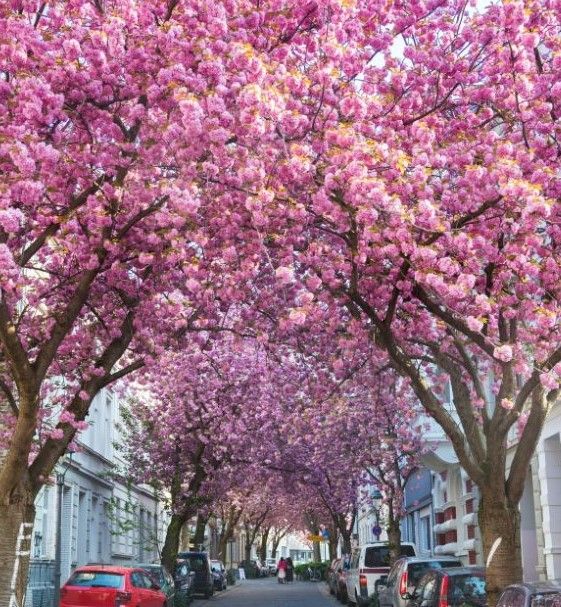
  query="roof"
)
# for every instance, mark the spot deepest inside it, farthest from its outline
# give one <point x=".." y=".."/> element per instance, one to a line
<point x="105" y="568"/>
<point x="150" y="566"/>
<point x="539" y="587"/>
<point x="430" y="559"/>
<point x="383" y="544"/>
<point x="463" y="570"/>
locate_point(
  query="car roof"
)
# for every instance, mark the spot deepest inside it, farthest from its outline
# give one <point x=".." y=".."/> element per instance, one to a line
<point x="150" y="566"/>
<point x="538" y="587"/>
<point x="105" y="568"/>
<point x="189" y="553"/>
<point x="429" y="559"/>
<point x="382" y="545"/>
<point x="462" y="570"/>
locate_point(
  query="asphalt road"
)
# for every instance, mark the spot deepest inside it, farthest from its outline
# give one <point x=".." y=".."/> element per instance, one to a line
<point x="269" y="593"/>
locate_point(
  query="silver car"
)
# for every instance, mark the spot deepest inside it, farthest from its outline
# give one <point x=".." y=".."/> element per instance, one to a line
<point x="405" y="575"/>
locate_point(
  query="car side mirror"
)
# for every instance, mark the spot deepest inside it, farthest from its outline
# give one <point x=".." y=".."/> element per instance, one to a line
<point x="408" y="596"/>
<point x="156" y="587"/>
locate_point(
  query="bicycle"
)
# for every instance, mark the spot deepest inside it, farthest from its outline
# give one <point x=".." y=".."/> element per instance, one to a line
<point x="314" y="575"/>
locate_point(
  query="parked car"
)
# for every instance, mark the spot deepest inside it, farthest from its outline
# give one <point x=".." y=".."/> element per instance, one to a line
<point x="200" y="564"/>
<point x="219" y="575"/>
<point x="405" y="575"/>
<point x="184" y="582"/>
<point x="110" y="586"/>
<point x="450" y="587"/>
<point x="538" y="594"/>
<point x="368" y="564"/>
<point x="341" y="577"/>
<point x="331" y="575"/>
<point x="271" y="566"/>
<point x="164" y="580"/>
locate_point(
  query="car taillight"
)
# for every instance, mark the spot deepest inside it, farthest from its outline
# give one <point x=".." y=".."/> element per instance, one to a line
<point x="122" y="598"/>
<point x="362" y="581"/>
<point x="443" y="602"/>
<point x="403" y="583"/>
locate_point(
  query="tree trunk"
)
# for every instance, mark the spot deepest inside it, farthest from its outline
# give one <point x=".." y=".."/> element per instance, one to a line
<point x="333" y="541"/>
<point x="500" y="519"/>
<point x="247" y="550"/>
<point x="347" y="544"/>
<point x="264" y="542"/>
<point x="16" y="526"/>
<point x="394" y="539"/>
<point x="171" y="543"/>
<point x="200" y="528"/>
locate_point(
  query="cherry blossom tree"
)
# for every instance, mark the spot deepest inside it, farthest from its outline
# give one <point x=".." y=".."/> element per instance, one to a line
<point x="424" y="214"/>
<point x="132" y="154"/>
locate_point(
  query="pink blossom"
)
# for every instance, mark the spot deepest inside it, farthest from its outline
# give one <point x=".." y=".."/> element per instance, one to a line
<point x="503" y="353"/>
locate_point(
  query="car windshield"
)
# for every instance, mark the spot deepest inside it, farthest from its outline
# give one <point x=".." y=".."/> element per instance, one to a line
<point x="97" y="579"/>
<point x="379" y="556"/>
<point x="197" y="563"/>
<point x="546" y="599"/>
<point x="415" y="571"/>
<point x="467" y="589"/>
<point x="157" y="574"/>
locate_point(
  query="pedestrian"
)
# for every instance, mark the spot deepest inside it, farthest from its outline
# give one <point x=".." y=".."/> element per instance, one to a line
<point x="289" y="570"/>
<point x="281" y="567"/>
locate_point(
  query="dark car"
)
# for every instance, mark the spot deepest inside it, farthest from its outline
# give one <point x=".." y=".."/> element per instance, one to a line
<point x="219" y="575"/>
<point x="184" y="583"/>
<point x="331" y="575"/>
<point x="341" y="581"/>
<point x="538" y="594"/>
<point x="200" y="564"/>
<point x="450" y="587"/>
<point x="163" y="579"/>
<point x="405" y="575"/>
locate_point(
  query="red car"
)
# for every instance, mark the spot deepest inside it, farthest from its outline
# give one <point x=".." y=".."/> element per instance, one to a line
<point x="109" y="586"/>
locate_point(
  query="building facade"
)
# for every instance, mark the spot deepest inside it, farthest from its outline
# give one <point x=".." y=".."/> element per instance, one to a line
<point x="105" y="519"/>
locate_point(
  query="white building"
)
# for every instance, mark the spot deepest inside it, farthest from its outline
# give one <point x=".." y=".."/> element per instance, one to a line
<point x="105" y="519"/>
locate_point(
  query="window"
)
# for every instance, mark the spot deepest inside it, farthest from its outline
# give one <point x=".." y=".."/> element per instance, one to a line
<point x="415" y="571"/>
<point x="379" y="556"/>
<point x="429" y="590"/>
<point x="470" y="589"/>
<point x="91" y="579"/>
<point x="137" y="579"/>
<point x="425" y="534"/>
<point x="551" y="599"/>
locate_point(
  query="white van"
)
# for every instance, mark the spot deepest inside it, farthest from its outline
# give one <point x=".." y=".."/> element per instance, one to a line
<point x="368" y="564"/>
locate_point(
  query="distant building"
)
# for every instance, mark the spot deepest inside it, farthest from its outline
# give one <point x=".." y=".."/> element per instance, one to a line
<point x="104" y="518"/>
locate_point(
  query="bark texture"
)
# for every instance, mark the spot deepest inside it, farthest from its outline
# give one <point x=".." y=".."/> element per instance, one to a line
<point x="171" y="543"/>
<point x="500" y="520"/>
<point x="16" y="522"/>
<point x="394" y="539"/>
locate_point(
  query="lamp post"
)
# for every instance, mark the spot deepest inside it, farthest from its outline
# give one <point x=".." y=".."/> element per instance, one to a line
<point x="376" y="506"/>
<point x="58" y="546"/>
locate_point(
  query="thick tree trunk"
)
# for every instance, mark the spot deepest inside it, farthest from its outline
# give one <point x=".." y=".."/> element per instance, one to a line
<point x="200" y="528"/>
<point x="333" y="541"/>
<point x="16" y="526"/>
<point x="394" y="539"/>
<point x="499" y="519"/>
<point x="247" y="550"/>
<point x="171" y="543"/>
<point x="264" y="542"/>
<point x="347" y="544"/>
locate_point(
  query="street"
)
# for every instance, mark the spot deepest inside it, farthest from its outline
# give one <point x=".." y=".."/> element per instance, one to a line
<point x="269" y="593"/>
